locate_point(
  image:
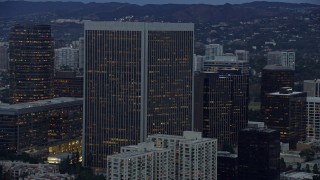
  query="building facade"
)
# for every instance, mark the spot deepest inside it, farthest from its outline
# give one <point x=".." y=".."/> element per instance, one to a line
<point x="31" y="64"/>
<point x="138" y="81"/>
<point x="221" y="100"/>
<point x="143" y="161"/>
<point x="313" y="118"/>
<point x="226" y="63"/>
<point x="27" y="126"/>
<point x="285" y="111"/>
<point x="66" y="58"/>
<point x="157" y="168"/>
<point x="198" y="159"/>
<point x="67" y="84"/>
<point x="312" y="87"/>
<point x="242" y="55"/>
<point x="227" y="166"/>
<point x="283" y="58"/>
<point x="273" y="77"/>
<point x="213" y="50"/>
<point x="191" y="156"/>
<point x="259" y="154"/>
<point x="81" y="53"/>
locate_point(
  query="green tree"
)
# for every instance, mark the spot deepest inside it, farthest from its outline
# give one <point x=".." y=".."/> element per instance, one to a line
<point x="1" y="169"/>
<point x="308" y="168"/>
<point x="315" y="148"/>
<point x="316" y="177"/>
<point x="298" y="166"/>
<point x="308" y="154"/>
<point x="315" y="169"/>
<point x="64" y="166"/>
<point x="283" y="165"/>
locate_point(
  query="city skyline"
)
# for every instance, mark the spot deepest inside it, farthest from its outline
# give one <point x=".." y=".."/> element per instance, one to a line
<point x="162" y="91"/>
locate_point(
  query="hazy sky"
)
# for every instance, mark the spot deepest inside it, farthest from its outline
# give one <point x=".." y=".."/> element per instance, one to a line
<point x="141" y="2"/>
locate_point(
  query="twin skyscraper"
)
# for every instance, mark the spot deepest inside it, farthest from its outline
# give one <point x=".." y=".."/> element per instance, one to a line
<point x="137" y="81"/>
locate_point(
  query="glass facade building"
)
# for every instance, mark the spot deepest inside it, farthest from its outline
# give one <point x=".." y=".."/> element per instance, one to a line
<point x="138" y="81"/>
<point x="259" y="154"/>
<point x="285" y="111"/>
<point x="32" y="125"/>
<point x="221" y="101"/>
<point x="31" y="63"/>
<point x="274" y="77"/>
<point x="68" y="84"/>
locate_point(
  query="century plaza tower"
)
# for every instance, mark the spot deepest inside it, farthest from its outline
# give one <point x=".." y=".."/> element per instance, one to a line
<point x="138" y="81"/>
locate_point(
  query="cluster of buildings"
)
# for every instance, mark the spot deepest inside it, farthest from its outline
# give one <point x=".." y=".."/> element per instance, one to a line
<point x="22" y="170"/>
<point x="44" y="111"/>
<point x="151" y="109"/>
<point x="166" y="157"/>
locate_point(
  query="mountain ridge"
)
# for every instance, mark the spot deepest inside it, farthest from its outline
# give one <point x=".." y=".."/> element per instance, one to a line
<point x="150" y="12"/>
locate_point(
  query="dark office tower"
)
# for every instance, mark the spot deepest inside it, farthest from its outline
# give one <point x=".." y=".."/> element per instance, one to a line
<point x="274" y="77"/>
<point x="138" y="81"/>
<point x="31" y="56"/>
<point x="227" y="166"/>
<point x="68" y="84"/>
<point x="221" y="104"/>
<point x="285" y="111"/>
<point x="259" y="154"/>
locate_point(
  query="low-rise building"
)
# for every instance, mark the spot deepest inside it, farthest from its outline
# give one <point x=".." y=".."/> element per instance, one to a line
<point x="28" y="126"/>
<point x="22" y="170"/>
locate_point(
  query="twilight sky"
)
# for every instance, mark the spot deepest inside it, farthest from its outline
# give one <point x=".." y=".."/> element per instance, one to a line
<point x="216" y="2"/>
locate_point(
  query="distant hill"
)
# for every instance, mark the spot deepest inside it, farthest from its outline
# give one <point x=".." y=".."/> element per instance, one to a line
<point x="168" y="12"/>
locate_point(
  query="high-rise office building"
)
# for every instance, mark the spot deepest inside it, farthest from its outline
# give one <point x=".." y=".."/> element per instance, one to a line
<point x="191" y="156"/>
<point x="259" y="154"/>
<point x="285" y="111"/>
<point x="4" y="59"/>
<point x="31" y="63"/>
<point x="227" y="166"/>
<point x="138" y="81"/>
<point x="312" y="87"/>
<point x="221" y="100"/>
<point x="274" y="77"/>
<point x="283" y="58"/>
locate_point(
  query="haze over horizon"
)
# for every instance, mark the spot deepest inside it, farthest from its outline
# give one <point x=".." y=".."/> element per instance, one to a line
<point x="213" y="2"/>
